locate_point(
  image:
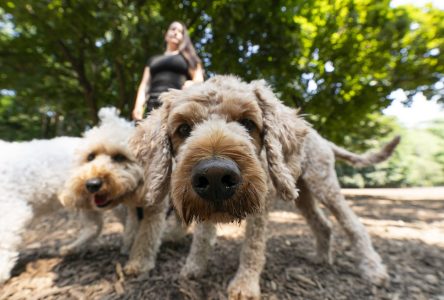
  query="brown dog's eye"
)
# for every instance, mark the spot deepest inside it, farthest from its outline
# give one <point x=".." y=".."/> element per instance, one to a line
<point x="184" y="130"/>
<point x="91" y="157"/>
<point x="248" y="124"/>
<point x="119" y="158"/>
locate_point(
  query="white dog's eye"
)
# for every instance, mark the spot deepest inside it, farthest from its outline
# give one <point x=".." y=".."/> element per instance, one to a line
<point x="248" y="124"/>
<point x="91" y="157"/>
<point x="184" y="130"/>
<point x="119" y="158"/>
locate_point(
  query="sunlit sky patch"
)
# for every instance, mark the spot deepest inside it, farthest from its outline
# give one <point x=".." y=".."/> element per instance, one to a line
<point x="422" y="110"/>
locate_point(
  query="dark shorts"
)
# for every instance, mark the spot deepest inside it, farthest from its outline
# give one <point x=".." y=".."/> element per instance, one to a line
<point x="152" y="103"/>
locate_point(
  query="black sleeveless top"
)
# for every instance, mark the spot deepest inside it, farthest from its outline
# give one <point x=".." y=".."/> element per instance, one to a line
<point x="167" y="71"/>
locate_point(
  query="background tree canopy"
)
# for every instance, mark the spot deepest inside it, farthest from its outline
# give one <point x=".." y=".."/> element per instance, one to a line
<point x="337" y="60"/>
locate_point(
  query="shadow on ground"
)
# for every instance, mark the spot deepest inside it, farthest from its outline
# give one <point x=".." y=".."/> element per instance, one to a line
<point x="409" y="235"/>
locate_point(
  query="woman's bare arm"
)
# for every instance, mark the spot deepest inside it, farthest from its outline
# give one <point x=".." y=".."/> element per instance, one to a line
<point x="141" y="91"/>
<point x="197" y="75"/>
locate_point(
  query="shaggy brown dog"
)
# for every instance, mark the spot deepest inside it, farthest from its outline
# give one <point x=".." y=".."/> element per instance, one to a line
<point x="236" y="149"/>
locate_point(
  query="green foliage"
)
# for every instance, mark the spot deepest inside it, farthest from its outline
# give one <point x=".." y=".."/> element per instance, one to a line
<point x="437" y="130"/>
<point x="69" y="58"/>
<point x="18" y="122"/>
<point x="368" y="43"/>
<point x="418" y="161"/>
<point x="65" y="59"/>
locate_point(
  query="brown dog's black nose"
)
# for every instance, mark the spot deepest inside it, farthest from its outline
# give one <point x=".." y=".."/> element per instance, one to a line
<point x="93" y="185"/>
<point x="215" y="179"/>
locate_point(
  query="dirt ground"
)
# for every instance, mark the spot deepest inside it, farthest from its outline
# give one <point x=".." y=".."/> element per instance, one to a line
<point x="406" y="225"/>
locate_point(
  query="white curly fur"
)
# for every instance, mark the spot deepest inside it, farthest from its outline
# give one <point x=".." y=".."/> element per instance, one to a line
<point x="112" y="128"/>
<point x="32" y="173"/>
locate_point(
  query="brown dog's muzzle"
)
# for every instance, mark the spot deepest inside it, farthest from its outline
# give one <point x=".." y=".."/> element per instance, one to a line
<point x="215" y="179"/>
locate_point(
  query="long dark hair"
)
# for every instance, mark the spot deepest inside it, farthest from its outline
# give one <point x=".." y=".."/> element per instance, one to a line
<point x="186" y="48"/>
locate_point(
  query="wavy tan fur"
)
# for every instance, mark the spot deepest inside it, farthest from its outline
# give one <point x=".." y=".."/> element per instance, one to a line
<point x="280" y="153"/>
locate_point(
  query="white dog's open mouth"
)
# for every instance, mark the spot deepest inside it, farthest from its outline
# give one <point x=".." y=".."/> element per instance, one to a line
<point x="101" y="200"/>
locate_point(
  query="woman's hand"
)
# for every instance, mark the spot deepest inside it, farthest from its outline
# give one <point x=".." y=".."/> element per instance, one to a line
<point x="138" y="113"/>
<point x="187" y="84"/>
<point x="196" y="76"/>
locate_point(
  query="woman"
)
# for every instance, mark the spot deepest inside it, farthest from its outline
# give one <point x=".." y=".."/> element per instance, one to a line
<point x="177" y="68"/>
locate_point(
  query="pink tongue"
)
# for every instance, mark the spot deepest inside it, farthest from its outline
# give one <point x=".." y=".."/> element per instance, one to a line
<point x="99" y="200"/>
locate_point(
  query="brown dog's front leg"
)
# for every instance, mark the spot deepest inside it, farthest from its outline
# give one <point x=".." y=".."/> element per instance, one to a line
<point x="245" y="285"/>
<point x="203" y="238"/>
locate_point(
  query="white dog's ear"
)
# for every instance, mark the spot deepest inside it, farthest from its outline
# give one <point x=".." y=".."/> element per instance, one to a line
<point x="284" y="133"/>
<point x="152" y="148"/>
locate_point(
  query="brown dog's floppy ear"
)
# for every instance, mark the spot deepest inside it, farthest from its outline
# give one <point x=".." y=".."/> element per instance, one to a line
<point x="284" y="133"/>
<point x="152" y="148"/>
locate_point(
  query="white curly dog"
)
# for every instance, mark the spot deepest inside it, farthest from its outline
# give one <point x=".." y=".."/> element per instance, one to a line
<point x="34" y="175"/>
<point x="31" y="174"/>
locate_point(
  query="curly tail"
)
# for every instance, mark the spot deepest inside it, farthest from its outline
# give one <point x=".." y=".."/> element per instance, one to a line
<point x="366" y="159"/>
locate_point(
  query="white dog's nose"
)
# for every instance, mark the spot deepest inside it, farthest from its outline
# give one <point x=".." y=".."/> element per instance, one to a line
<point x="215" y="179"/>
<point x="93" y="185"/>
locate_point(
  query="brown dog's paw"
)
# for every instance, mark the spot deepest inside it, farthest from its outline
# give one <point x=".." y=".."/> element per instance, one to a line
<point x="376" y="273"/>
<point x="132" y="269"/>
<point x="136" y="267"/>
<point x="67" y="250"/>
<point x="243" y="289"/>
<point x="378" y="277"/>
